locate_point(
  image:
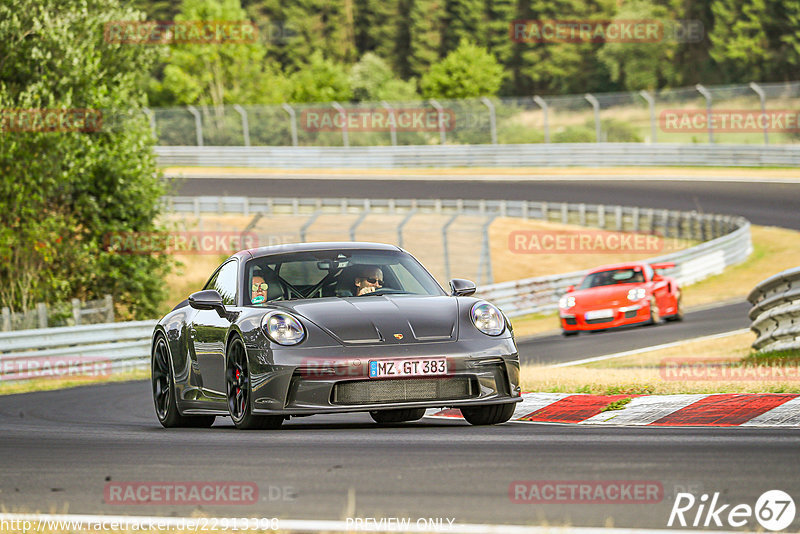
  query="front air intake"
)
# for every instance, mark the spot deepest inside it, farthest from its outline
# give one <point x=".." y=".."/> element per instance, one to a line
<point x="406" y="390"/>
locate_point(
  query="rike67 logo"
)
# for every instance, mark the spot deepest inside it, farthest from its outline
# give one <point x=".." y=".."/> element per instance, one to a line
<point x="774" y="510"/>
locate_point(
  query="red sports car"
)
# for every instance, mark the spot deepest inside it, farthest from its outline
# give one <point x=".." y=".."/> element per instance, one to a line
<point x="620" y="295"/>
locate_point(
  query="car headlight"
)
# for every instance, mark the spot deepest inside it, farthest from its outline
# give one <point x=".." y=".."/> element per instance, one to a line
<point x="283" y="328"/>
<point x="636" y="294"/>
<point x="566" y="302"/>
<point x="487" y="318"/>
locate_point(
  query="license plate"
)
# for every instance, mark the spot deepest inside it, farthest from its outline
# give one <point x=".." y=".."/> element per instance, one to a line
<point x="416" y="367"/>
<point x="599" y="314"/>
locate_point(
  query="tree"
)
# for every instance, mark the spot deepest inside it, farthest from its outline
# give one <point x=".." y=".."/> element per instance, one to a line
<point x="372" y="79"/>
<point x="322" y="80"/>
<point x="466" y="72"/>
<point x="462" y="21"/>
<point x="644" y="65"/>
<point x="63" y="193"/>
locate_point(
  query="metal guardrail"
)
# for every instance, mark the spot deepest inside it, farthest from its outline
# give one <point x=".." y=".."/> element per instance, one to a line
<point x="530" y="155"/>
<point x="64" y="352"/>
<point x="541" y="294"/>
<point x="118" y="346"/>
<point x="775" y="316"/>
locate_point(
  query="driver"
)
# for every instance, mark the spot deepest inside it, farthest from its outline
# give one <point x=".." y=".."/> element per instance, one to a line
<point x="259" y="290"/>
<point x="368" y="280"/>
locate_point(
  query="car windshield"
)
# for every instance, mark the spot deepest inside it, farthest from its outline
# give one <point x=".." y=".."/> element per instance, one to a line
<point x="335" y="273"/>
<point x="612" y="277"/>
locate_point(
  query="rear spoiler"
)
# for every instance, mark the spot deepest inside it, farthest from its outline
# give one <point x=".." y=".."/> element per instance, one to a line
<point x="665" y="265"/>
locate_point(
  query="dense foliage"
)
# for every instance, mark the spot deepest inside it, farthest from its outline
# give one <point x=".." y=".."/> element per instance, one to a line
<point x="64" y="192"/>
<point x="322" y="41"/>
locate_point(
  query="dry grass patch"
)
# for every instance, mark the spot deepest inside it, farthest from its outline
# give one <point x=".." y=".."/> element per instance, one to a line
<point x="47" y="384"/>
<point x="650" y="372"/>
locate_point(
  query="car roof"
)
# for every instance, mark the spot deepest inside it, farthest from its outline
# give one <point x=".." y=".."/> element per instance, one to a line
<point x="611" y="266"/>
<point x="312" y="247"/>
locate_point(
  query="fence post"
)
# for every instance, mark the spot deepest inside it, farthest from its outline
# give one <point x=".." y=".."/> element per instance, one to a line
<point x="245" y="125"/>
<point x="41" y="311"/>
<point x="151" y="117"/>
<point x="492" y="118"/>
<point x="596" y="105"/>
<point x="345" y="137"/>
<point x="542" y="104"/>
<point x="392" y="123"/>
<point x="485" y="261"/>
<point x="76" y="311"/>
<point x="703" y="91"/>
<point x="198" y="124"/>
<point x="109" y="308"/>
<point x="6" y="320"/>
<point x="292" y="122"/>
<point x="444" y="245"/>
<point x="651" y="103"/>
<point x="762" y="97"/>
<point x="402" y="224"/>
<point x="439" y="113"/>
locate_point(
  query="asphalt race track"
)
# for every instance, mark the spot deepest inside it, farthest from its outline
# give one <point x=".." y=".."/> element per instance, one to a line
<point x="771" y="204"/>
<point x="557" y="349"/>
<point x="61" y="448"/>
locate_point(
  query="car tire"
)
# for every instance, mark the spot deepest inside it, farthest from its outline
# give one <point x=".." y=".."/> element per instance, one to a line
<point x="492" y="414"/>
<point x="163" y="386"/>
<point x="568" y="333"/>
<point x="237" y="389"/>
<point x="678" y="316"/>
<point x="655" y="316"/>
<point x="397" y="416"/>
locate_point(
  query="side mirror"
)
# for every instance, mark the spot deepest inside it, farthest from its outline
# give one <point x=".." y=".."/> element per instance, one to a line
<point x="570" y="289"/>
<point x="657" y="277"/>
<point x="462" y="288"/>
<point x="208" y="299"/>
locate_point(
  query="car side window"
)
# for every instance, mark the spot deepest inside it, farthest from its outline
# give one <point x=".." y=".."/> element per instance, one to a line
<point x="225" y="282"/>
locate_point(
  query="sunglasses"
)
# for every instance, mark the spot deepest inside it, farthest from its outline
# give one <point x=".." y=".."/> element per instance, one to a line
<point x="374" y="281"/>
<point x="262" y="286"/>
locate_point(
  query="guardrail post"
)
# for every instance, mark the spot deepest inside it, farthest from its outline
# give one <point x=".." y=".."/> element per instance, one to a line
<point x="245" y="125"/>
<point x="440" y="115"/>
<point x="41" y="311"/>
<point x="76" y="311"/>
<point x="545" y="214"/>
<point x="524" y="210"/>
<point x="762" y="97"/>
<point x="703" y="91"/>
<point x="651" y="103"/>
<point x="582" y="214"/>
<point x="601" y="216"/>
<point x="392" y="122"/>
<point x="618" y="217"/>
<point x="345" y="136"/>
<point x="109" y="305"/>
<point x="564" y="213"/>
<point x="198" y="124"/>
<point x="292" y="122"/>
<point x="635" y="217"/>
<point x="492" y="119"/>
<point x="444" y="244"/>
<point x="596" y="105"/>
<point x="542" y="104"/>
<point x="151" y="117"/>
<point x="6" y="319"/>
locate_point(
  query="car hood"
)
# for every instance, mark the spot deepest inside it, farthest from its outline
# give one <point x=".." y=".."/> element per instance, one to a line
<point x="616" y="295"/>
<point x="383" y="318"/>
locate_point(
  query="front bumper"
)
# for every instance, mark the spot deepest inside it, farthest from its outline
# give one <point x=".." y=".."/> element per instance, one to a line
<point x="336" y="379"/>
<point x="628" y="315"/>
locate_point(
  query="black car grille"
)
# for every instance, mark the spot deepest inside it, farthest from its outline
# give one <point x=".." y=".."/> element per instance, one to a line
<point x="404" y="390"/>
<point x="598" y="321"/>
<point x="570" y="320"/>
<point x="630" y="314"/>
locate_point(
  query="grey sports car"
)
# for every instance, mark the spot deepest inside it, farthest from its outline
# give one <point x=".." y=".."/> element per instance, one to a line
<point x="310" y="328"/>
